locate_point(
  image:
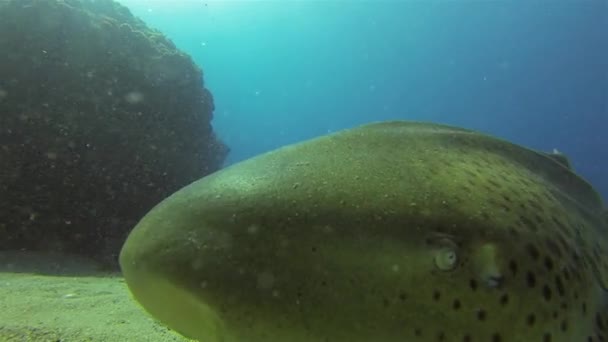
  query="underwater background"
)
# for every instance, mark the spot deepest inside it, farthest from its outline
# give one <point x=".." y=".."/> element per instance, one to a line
<point x="532" y="72"/>
<point x="103" y="115"/>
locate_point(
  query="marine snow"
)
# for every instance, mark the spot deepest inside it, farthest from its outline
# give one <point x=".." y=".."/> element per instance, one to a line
<point x="134" y="97"/>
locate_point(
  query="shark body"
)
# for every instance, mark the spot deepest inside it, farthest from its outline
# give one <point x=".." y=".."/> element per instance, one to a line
<point x="392" y="231"/>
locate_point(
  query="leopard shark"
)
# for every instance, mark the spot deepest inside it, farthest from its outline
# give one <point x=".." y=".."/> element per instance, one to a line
<point x="389" y="231"/>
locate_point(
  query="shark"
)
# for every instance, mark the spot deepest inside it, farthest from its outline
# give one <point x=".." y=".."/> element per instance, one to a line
<point x="389" y="231"/>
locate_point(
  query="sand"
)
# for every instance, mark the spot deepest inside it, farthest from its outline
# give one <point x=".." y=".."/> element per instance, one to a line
<point x="57" y="298"/>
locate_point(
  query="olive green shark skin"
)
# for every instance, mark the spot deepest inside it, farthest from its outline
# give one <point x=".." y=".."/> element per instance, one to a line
<point x="393" y="231"/>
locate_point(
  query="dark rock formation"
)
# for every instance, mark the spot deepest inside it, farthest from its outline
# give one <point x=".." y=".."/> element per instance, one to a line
<point x="101" y="117"/>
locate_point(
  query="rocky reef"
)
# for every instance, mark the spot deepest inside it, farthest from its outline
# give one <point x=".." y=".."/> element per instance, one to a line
<point x="101" y="117"/>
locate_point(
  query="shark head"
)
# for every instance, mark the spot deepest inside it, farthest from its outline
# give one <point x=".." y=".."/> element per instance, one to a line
<point x="393" y="231"/>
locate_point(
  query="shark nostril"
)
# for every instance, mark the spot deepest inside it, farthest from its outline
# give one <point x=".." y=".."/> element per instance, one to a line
<point x="495" y="281"/>
<point x="488" y="266"/>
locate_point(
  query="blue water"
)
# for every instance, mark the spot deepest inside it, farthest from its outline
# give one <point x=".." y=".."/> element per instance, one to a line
<point x="533" y="72"/>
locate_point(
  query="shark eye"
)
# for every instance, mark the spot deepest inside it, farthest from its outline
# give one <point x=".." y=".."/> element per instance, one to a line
<point x="446" y="259"/>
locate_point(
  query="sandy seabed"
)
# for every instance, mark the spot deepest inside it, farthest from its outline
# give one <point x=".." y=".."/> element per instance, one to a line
<point x="56" y="298"/>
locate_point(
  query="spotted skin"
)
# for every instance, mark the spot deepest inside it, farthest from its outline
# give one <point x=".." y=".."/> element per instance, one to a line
<point x="393" y="231"/>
